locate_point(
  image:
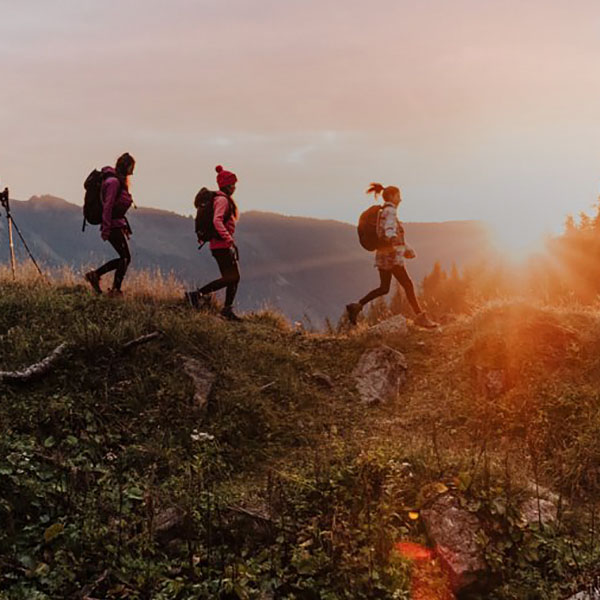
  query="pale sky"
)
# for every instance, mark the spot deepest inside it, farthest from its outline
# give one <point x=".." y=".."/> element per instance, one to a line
<point x="476" y="109"/>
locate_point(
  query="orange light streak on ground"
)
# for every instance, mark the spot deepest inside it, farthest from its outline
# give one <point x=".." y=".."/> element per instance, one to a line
<point x="429" y="580"/>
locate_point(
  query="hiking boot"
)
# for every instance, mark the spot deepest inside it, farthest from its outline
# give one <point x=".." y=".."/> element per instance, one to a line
<point x="424" y="321"/>
<point x="94" y="280"/>
<point x="192" y="299"/>
<point x="227" y="313"/>
<point x="353" y="311"/>
<point x="114" y="293"/>
<point x="205" y="301"/>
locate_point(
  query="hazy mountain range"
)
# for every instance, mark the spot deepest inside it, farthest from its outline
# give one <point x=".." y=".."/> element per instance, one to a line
<point x="308" y="268"/>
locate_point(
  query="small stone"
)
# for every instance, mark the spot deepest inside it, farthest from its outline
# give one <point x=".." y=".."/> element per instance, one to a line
<point x="530" y="514"/>
<point x="170" y="524"/>
<point x="323" y="379"/>
<point x="202" y="377"/>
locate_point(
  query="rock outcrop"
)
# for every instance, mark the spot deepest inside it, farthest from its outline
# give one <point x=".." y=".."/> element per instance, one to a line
<point x="454" y="531"/>
<point x="379" y="374"/>
<point x="396" y="325"/>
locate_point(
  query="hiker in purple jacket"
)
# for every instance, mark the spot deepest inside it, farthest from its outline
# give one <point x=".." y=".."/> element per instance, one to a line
<point x="115" y="229"/>
<point x="222" y="246"/>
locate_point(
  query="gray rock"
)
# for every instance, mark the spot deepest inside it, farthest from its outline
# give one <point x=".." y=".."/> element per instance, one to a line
<point x="548" y="506"/>
<point x="379" y="374"/>
<point x="530" y="514"/>
<point x="454" y="531"/>
<point x="170" y="524"/>
<point x="202" y="377"/>
<point x="395" y="325"/>
<point x="592" y="594"/>
<point x="543" y="492"/>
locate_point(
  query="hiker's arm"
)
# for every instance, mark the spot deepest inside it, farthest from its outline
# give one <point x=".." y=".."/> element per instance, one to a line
<point x="388" y="224"/>
<point x="221" y="205"/>
<point x="111" y="189"/>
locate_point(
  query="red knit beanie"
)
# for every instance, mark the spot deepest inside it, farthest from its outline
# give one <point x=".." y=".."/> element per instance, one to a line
<point x="225" y="177"/>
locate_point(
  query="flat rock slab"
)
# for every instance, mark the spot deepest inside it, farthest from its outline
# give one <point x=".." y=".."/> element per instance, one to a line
<point x="379" y="374"/>
<point x="454" y="532"/>
<point x="396" y="325"/>
<point x="202" y="377"/>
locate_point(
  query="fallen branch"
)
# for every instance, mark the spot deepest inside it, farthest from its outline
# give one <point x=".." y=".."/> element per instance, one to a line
<point x="267" y="386"/>
<point x="36" y="370"/>
<point x="249" y="513"/>
<point x="142" y="340"/>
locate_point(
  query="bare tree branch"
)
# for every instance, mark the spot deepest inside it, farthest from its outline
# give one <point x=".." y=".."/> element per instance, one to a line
<point x="36" y="370"/>
<point x="142" y="340"/>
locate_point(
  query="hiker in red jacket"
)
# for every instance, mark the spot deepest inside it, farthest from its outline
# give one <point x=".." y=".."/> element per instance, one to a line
<point x="389" y="257"/>
<point x="222" y="246"/>
<point x="114" y="228"/>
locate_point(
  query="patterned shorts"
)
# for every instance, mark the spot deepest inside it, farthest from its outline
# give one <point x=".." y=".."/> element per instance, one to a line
<point x="386" y="260"/>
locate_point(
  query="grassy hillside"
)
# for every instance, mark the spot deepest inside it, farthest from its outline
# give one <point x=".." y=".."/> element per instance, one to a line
<point x="115" y="483"/>
<point x="309" y="269"/>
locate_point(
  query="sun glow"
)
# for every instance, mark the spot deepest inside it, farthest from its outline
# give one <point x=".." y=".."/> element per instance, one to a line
<point x="519" y="239"/>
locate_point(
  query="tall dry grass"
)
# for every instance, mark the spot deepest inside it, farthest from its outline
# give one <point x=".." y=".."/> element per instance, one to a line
<point x="139" y="283"/>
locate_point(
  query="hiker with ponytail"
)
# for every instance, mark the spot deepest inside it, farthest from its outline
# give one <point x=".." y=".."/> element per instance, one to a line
<point x="391" y="251"/>
<point x="114" y="226"/>
<point x="220" y="233"/>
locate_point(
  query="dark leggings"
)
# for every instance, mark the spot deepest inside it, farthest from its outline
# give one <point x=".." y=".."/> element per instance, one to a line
<point x="230" y="275"/>
<point x="118" y="241"/>
<point x="403" y="278"/>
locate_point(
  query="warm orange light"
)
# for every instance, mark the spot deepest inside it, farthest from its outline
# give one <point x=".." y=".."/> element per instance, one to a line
<point x="414" y="551"/>
<point x="429" y="580"/>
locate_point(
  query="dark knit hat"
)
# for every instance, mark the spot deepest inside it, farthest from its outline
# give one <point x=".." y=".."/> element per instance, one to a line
<point x="225" y="177"/>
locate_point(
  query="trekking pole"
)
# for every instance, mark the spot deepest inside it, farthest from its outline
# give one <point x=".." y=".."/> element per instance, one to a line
<point x="4" y="200"/>
<point x="11" y="247"/>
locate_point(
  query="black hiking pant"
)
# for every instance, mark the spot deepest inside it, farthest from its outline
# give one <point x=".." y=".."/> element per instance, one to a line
<point x="118" y="240"/>
<point x="230" y="275"/>
<point x="403" y="278"/>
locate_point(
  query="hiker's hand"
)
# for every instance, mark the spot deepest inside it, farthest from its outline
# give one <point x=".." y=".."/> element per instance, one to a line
<point x="409" y="253"/>
<point x="234" y="252"/>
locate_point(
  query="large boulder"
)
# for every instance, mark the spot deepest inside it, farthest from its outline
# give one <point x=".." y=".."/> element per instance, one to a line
<point x="454" y="531"/>
<point x="379" y="374"/>
<point x="395" y="325"/>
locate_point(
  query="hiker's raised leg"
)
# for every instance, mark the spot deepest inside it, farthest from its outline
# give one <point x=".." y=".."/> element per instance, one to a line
<point x="385" y="279"/>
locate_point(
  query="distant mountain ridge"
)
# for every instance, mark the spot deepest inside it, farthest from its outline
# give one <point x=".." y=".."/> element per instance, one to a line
<point x="306" y="267"/>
